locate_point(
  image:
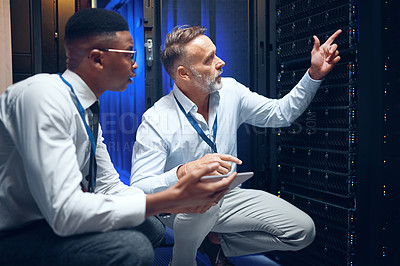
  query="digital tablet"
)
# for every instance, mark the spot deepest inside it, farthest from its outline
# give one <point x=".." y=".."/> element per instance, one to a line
<point x="239" y="179"/>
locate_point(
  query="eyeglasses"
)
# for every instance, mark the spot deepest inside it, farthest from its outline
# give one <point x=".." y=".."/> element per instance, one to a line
<point x="131" y="52"/>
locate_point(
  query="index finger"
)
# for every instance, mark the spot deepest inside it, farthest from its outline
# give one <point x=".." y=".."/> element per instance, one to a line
<point x="227" y="157"/>
<point x="333" y="37"/>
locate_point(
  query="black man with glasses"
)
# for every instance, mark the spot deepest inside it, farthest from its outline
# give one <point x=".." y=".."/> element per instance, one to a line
<point x="61" y="200"/>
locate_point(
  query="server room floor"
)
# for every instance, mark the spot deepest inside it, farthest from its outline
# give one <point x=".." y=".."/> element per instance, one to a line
<point x="163" y="256"/>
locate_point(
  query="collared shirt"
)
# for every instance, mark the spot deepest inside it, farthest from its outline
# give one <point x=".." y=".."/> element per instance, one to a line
<point x="44" y="156"/>
<point x="166" y="139"/>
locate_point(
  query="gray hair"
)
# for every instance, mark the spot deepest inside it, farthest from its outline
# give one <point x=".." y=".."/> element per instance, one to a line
<point x="174" y="45"/>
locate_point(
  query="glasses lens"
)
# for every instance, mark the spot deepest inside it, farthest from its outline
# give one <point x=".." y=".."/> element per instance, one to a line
<point x="133" y="58"/>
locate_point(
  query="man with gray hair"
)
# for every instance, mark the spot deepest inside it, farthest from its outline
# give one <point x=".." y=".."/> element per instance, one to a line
<point x="196" y="124"/>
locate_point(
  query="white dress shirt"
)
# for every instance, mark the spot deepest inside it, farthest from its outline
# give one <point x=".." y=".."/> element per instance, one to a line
<point x="44" y="156"/>
<point x="166" y="139"/>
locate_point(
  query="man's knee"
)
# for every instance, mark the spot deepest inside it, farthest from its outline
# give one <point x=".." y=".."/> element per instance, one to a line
<point x="128" y="247"/>
<point x="154" y="229"/>
<point x="304" y="234"/>
<point x="139" y="249"/>
<point x="309" y="232"/>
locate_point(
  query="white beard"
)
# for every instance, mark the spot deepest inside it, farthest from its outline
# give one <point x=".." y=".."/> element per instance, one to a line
<point x="208" y="84"/>
<point x="215" y="86"/>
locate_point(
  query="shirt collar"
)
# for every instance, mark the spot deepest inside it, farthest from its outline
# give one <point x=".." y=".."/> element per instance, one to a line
<point x="83" y="92"/>
<point x="190" y="106"/>
<point x="186" y="103"/>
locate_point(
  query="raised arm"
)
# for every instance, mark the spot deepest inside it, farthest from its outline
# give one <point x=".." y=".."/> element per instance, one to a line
<point x="263" y="112"/>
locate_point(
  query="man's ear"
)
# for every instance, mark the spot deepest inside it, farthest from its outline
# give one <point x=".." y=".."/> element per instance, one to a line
<point x="96" y="58"/>
<point x="183" y="73"/>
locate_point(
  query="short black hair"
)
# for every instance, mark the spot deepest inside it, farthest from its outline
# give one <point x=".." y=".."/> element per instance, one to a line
<point x="90" y="22"/>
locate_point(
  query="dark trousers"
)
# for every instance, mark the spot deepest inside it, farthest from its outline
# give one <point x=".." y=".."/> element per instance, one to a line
<point x="37" y="244"/>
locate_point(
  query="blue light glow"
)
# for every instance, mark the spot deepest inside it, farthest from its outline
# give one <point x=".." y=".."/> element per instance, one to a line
<point x="121" y="112"/>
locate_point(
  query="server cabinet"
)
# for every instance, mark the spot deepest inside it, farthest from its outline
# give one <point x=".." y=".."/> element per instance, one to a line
<point x="152" y="32"/>
<point x="336" y="162"/>
<point x="37" y="29"/>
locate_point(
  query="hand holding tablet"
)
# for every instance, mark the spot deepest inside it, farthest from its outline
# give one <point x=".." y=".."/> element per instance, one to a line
<point x="240" y="178"/>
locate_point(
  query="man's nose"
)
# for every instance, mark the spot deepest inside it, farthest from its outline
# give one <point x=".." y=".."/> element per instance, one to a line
<point x="220" y="63"/>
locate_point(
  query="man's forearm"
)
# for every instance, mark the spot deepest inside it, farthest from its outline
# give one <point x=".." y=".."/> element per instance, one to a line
<point x="189" y="193"/>
<point x="160" y="202"/>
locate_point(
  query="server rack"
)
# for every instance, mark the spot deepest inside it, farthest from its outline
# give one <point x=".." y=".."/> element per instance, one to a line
<point x="334" y="162"/>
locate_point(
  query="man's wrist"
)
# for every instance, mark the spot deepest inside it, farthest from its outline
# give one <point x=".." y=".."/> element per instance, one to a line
<point x="162" y="201"/>
<point x="181" y="171"/>
<point x="314" y="75"/>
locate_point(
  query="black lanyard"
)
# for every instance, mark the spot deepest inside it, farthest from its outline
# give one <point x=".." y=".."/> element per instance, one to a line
<point x="92" y="176"/>
<point x="199" y="130"/>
